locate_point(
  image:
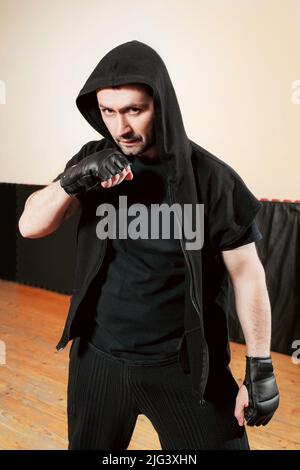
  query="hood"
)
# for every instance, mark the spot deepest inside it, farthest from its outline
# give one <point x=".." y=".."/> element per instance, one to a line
<point x="136" y="62"/>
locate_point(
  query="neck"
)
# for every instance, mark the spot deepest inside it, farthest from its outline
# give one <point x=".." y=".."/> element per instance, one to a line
<point x="151" y="153"/>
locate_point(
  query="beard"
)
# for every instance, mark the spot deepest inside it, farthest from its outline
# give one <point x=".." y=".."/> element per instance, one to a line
<point x="139" y="148"/>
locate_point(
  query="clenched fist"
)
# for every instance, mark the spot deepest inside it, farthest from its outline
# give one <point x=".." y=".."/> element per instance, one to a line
<point x="258" y="397"/>
<point x="107" y="167"/>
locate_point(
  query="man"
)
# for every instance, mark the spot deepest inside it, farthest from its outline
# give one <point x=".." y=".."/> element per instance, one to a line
<point x="147" y="316"/>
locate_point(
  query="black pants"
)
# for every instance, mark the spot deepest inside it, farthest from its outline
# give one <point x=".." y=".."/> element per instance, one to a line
<point x="106" y="395"/>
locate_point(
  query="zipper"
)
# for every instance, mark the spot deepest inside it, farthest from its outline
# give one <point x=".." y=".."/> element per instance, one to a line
<point x="64" y="338"/>
<point x="194" y="301"/>
<point x="92" y="277"/>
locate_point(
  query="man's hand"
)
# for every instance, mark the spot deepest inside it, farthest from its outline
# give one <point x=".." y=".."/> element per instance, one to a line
<point x="125" y="174"/>
<point x="241" y="402"/>
<point x="107" y="167"/>
<point x="258" y="397"/>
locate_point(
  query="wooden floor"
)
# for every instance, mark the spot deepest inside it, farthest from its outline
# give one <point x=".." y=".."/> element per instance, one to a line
<point x="34" y="377"/>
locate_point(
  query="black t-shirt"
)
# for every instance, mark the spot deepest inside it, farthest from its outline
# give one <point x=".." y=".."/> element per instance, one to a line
<point x="140" y="308"/>
<point x="141" y="303"/>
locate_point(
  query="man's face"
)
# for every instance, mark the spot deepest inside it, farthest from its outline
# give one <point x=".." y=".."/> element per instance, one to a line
<point x="128" y="114"/>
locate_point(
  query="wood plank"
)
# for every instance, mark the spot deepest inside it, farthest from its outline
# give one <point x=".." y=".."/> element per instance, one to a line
<point x="34" y="379"/>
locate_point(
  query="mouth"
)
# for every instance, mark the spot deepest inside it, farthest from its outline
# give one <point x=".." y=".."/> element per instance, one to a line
<point x="129" y="143"/>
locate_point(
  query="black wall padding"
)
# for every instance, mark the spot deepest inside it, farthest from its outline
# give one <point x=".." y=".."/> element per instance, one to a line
<point x="49" y="262"/>
<point x="279" y="251"/>
<point x="8" y="231"/>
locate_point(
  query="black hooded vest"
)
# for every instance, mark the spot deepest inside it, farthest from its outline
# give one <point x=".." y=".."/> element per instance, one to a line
<point x="194" y="176"/>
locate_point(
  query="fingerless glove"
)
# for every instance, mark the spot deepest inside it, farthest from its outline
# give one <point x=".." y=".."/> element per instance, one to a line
<point x="91" y="170"/>
<point x="262" y="389"/>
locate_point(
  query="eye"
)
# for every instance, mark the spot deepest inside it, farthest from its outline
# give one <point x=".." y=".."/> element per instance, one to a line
<point x="136" y="110"/>
<point x="108" y="111"/>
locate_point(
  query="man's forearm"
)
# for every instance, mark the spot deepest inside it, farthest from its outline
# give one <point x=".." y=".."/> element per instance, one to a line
<point x="44" y="211"/>
<point x="253" y="310"/>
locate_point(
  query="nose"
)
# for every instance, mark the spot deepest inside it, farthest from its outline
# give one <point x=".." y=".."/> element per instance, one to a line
<point x="123" y="127"/>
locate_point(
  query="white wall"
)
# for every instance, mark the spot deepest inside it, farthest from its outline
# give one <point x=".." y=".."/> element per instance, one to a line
<point x="232" y="63"/>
